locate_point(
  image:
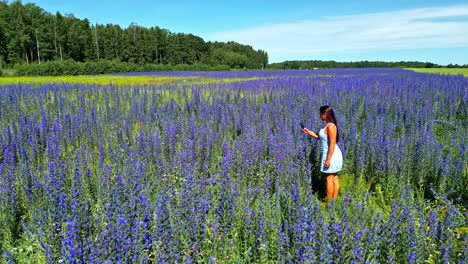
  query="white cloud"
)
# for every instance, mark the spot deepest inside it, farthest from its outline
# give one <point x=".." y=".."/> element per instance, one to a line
<point x="405" y="29"/>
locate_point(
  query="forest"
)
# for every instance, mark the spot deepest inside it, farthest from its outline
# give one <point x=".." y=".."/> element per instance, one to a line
<point x="30" y="34"/>
<point x="321" y="64"/>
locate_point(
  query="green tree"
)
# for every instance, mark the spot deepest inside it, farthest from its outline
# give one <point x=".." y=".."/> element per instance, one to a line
<point x="3" y="32"/>
<point x="61" y="37"/>
<point x="30" y="34"/>
<point x="17" y="34"/>
<point x="41" y="31"/>
<point x="79" y="39"/>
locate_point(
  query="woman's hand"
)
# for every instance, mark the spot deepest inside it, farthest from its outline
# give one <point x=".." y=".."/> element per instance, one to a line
<point x="312" y="133"/>
<point x="327" y="164"/>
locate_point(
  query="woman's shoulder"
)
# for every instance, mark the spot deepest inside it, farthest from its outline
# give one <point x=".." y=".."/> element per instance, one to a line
<point x="330" y="125"/>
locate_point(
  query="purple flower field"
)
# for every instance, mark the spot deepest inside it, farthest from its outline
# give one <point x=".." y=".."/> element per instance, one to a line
<point x="222" y="173"/>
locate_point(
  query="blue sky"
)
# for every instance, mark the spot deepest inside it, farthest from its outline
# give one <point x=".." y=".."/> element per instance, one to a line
<point x="410" y="30"/>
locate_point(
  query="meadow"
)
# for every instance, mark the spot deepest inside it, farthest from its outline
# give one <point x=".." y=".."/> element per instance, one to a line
<point x="452" y="71"/>
<point x="212" y="167"/>
<point x="147" y="79"/>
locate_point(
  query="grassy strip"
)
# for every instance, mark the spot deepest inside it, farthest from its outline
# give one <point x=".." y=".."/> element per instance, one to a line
<point x="453" y="71"/>
<point x="118" y="80"/>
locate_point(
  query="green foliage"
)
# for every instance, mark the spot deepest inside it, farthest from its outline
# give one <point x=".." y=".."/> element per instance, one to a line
<point x="69" y="67"/>
<point x="26" y="251"/>
<point x="221" y="68"/>
<point x="236" y="56"/>
<point x="29" y="34"/>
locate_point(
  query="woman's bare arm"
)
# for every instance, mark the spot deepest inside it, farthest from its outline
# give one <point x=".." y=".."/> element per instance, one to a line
<point x="331" y="132"/>
<point x="312" y="133"/>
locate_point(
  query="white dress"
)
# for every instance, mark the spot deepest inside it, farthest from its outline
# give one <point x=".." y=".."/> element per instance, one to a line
<point x="336" y="161"/>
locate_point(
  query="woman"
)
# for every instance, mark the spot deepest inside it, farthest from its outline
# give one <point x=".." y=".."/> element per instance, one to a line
<point x="331" y="157"/>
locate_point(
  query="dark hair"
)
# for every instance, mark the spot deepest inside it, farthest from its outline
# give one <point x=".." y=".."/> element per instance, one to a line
<point x="328" y="111"/>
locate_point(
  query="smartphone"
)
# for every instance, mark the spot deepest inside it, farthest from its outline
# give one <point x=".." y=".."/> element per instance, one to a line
<point x="302" y="125"/>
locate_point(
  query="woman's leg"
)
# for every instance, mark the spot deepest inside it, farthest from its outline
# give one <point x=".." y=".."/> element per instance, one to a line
<point x="333" y="186"/>
<point x="336" y="186"/>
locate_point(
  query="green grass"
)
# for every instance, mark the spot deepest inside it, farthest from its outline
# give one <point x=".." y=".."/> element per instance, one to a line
<point x="101" y="79"/>
<point x="454" y="71"/>
<point x="112" y="79"/>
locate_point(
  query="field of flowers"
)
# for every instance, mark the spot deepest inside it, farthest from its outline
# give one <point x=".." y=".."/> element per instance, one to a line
<point x="220" y="172"/>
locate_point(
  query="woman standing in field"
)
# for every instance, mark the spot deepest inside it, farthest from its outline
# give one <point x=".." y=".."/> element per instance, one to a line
<point x="331" y="157"/>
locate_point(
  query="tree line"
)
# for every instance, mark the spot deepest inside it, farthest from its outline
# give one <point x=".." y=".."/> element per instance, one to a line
<point x="31" y="35"/>
<point x="314" y="64"/>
